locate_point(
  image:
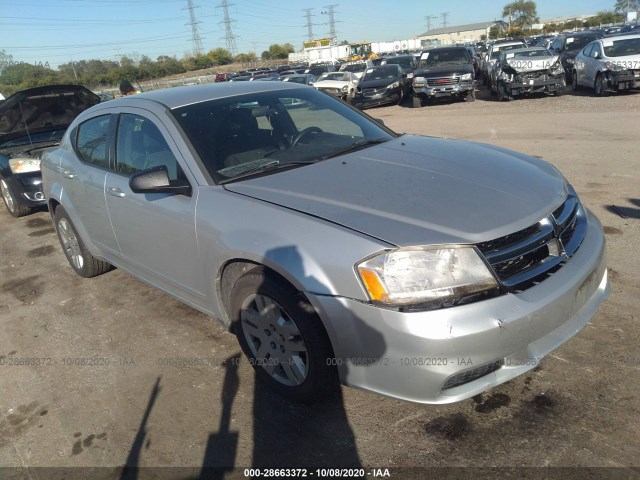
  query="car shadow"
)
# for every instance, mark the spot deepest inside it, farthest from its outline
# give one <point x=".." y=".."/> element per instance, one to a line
<point x="626" y="212"/>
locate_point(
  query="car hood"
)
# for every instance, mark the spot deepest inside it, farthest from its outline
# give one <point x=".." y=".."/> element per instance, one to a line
<point x="43" y="109"/>
<point x="419" y="190"/>
<point x="533" y="64"/>
<point x="383" y="82"/>
<point x="332" y="84"/>
<point x="444" y="71"/>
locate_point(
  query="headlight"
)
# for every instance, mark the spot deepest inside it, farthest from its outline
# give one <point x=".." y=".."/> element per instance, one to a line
<point x="614" y="67"/>
<point x="418" y="81"/>
<point x="24" y="165"/>
<point x="556" y="68"/>
<point x="411" y="276"/>
<point x="465" y="77"/>
<point x="394" y="85"/>
<point x="571" y="61"/>
<point x="345" y="89"/>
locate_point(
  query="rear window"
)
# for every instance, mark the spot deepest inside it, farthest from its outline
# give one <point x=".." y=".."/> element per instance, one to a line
<point x="578" y="43"/>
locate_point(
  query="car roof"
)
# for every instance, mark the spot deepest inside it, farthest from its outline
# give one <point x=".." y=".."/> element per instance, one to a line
<point x="180" y="96"/>
<point x="624" y="36"/>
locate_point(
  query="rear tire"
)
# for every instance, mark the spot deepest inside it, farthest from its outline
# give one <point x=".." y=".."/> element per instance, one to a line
<point x="82" y="262"/>
<point x="12" y="202"/>
<point x="283" y="337"/>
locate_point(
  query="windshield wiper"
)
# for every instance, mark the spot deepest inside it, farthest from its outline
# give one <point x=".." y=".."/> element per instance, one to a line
<point x="355" y="146"/>
<point x="266" y="167"/>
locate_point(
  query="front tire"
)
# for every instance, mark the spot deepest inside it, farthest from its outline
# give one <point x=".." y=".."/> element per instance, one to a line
<point x="598" y="86"/>
<point x="11" y="201"/>
<point x="82" y="262"/>
<point x="574" y="81"/>
<point x="283" y="337"/>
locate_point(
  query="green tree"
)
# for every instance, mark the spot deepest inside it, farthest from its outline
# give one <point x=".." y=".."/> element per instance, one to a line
<point x="621" y="6"/>
<point x="265" y="55"/>
<point x="220" y="56"/>
<point x="280" y="51"/>
<point x="521" y="13"/>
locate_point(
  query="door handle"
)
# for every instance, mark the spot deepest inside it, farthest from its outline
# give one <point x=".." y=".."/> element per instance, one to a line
<point x="115" y="191"/>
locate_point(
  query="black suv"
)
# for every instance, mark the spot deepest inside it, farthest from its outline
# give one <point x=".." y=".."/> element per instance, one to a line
<point x="444" y="72"/>
<point x="568" y="45"/>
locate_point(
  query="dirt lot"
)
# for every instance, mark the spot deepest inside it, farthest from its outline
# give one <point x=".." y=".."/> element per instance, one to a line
<point x="136" y="405"/>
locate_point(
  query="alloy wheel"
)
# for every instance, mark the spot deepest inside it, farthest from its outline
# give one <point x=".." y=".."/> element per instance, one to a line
<point x="274" y="340"/>
<point x="70" y="243"/>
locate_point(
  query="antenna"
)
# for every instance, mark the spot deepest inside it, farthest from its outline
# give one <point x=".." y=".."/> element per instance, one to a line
<point x="309" y="24"/>
<point x="444" y="19"/>
<point x="229" y="37"/>
<point x="332" y="22"/>
<point x="193" y="23"/>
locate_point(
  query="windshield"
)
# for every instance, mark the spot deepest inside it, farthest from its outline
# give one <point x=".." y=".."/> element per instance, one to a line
<point x="381" y="73"/>
<point x="402" y="61"/>
<point x="265" y="131"/>
<point x="355" y="67"/>
<point x="444" y="58"/>
<point x="532" y="54"/>
<point x="495" y="53"/>
<point x="621" y="48"/>
<point x="578" y="43"/>
<point x="340" y="76"/>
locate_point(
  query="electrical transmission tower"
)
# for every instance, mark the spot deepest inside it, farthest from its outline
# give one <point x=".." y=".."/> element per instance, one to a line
<point x="428" y="18"/>
<point x="332" y="22"/>
<point x="309" y="24"/>
<point x="444" y="19"/>
<point x="193" y="23"/>
<point x="229" y="37"/>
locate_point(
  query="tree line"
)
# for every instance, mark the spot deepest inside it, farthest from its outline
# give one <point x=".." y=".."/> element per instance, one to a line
<point x="99" y="74"/>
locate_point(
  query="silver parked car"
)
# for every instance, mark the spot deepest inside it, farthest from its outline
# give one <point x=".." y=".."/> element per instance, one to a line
<point x="611" y="63"/>
<point x="421" y="268"/>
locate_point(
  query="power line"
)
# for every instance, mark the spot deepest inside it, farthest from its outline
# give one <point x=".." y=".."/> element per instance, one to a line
<point x="428" y="18"/>
<point x="332" y="23"/>
<point x="229" y="37"/>
<point x="193" y="23"/>
<point x="309" y="24"/>
<point x="444" y="19"/>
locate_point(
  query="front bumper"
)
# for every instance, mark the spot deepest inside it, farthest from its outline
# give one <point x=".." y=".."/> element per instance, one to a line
<point x="416" y="356"/>
<point x="536" y="85"/>
<point x="460" y="89"/>
<point x="27" y="187"/>
<point x="622" y="80"/>
<point x="362" y="100"/>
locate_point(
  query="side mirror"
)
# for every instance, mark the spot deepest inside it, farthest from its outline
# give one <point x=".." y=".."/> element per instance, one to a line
<point x="156" y="180"/>
<point x="596" y="54"/>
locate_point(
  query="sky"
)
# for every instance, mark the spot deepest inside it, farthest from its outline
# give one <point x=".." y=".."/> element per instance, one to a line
<point x="60" y="31"/>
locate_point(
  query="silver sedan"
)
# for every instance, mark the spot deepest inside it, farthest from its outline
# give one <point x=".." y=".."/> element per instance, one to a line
<point x="611" y="63"/>
<point x="421" y="268"/>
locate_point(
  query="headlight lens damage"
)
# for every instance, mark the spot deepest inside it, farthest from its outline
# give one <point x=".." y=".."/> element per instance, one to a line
<point x="24" y="165"/>
<point x="415" y="276"/>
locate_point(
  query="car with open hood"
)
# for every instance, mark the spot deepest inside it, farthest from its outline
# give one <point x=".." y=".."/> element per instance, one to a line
<point x="445" y="72"/>
<point x="339" y="84"/>
<point x="525" y="71"/>
<point x="421" y="268"/>
<point x="608" y="64"/>
<point x="32" y="121"/>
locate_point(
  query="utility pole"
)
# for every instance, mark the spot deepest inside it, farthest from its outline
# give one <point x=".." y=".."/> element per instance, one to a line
<point x="229" y="37"/>
<point x="428" y="18"/>
<point x="193" y="23"/>
<point x="309" y="24"/>
<point x="332" y="23"/>
<point x="444" y="19"/>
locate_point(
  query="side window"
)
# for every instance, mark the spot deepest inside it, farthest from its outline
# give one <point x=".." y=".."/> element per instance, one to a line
<point x="141" y="145"/>
<point x="587" y="50"/>
<point x="91" y="141"/>
<point x="557" y="43"/>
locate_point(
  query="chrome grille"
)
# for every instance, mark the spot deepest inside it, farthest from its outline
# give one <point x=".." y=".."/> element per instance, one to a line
<point x="525" y="258"/>
<point x="369" y="92"/>
<point x="442" y="81"/>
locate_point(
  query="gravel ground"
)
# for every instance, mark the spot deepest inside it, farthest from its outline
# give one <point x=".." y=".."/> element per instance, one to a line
<point x="579" y="407"/>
